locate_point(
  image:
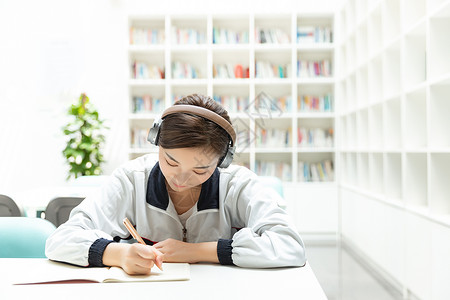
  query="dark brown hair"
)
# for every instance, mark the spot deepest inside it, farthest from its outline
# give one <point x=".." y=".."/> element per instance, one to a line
<point x="182" y="130"/>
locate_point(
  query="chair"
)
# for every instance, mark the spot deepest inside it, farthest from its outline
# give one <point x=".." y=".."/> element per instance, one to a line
<point x="8" y="208"/>
<point x="276" y="184"/>
<point x="59" y="208"/>
<point x="23" y="237"/>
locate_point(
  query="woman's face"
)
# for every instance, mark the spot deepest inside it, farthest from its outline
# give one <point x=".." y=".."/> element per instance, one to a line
<point x="185" y="168"/>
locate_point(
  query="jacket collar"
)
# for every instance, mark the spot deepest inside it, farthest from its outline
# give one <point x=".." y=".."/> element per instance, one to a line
<point x="157" y="193"/>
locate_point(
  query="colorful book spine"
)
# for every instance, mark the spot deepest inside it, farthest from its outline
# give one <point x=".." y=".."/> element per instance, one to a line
<point x="314" y="34"/>
<point x="141" y="70"/>
<point x="146" y="36"/>
<point x="184" y="36"/>
<point x="311" y="69"/>
<point x="315" y="137"/>
<point x="232" y="103"/>
<point x="272" y="137"/>
<point x="228" y="71"/>
<point x="147" y="104"/>
<point x="268" y="70"/>
<point x="228" y="36"/>
<point x="309" y="103"/>
<point x="281" y="170"/>
<point x="271" y="36"/>
<point x="315" y="171"/>
<point x="182" y="70"/>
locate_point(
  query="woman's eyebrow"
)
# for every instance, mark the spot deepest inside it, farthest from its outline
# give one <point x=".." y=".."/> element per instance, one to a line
<point x="168" y="155"/>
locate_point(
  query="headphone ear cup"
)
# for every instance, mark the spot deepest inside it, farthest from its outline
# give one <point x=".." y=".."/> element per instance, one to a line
<point x="226" y="160"/>
<point x="153" y="133"/>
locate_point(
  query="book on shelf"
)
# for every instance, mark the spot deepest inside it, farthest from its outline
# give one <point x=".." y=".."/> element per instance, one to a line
<point x="315" y="137"/>
<point x="232" y="103"/>
<point x="228" y="71"/>
<point x="138" y="139"/>
<point x="228" y="36"/>
<point x="281" y="170"/>
<point x="272" y="137"/>
<point x="279" y="104"/>
<point x="315" y="103"/>
<point x="182" y="70"/>
<point x="268" y="70"/>
<point x="146" y="36"/>
<point x="141" y="70"/>
<point x="147" y="104"/>
<point x="315" y="171"/>
<point x="271" y="36"/>
<point x="58" y="272"/>
<point x="314" y="34"/>
<point x="183" y="36"/>
<point x="311" y="69"/>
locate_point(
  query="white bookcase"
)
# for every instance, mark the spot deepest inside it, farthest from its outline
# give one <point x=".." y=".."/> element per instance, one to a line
<point x="207" y="54"/>
<point x="393" y="81"/>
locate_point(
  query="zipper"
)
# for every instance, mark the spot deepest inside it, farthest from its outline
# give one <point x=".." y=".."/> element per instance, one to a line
<point x="184" y="234"/>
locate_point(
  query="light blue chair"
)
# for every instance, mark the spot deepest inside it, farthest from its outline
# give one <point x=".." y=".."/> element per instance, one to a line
<point x="22" y="237"/>
<point x="276" y="184"/>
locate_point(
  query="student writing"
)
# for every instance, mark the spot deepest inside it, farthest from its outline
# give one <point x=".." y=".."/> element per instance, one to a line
<point x="190" y="206"/>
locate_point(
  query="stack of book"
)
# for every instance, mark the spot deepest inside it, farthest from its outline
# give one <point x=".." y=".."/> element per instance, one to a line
<point x="268" y="70"/>
<point x="226" y="71"/>
<point x="227" y="36"/>
<point x="141" y="70"/>
<point x="147" y="104"/>
<point x="314" y="34"/>
<point x="318" y="171"/>
<point x="309" y="103"/>
<point x="270" y="137"/>
<point x="271" y="36"/>
<point x="144" y="36"/>
<point x="308" y="69"/>
<point x="232" y="104"/>
<point x="316" y="137"/>
<point x="187" y="36"/>
<point x="278" y="169"/>
<point x="139" y="138"/>
<point x="184" y="71"/>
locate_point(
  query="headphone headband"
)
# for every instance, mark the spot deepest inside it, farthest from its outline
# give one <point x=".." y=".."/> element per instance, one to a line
<point x="202" y="112"/>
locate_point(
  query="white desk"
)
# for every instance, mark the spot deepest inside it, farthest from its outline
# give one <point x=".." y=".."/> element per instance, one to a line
<point x="208" y="281"/>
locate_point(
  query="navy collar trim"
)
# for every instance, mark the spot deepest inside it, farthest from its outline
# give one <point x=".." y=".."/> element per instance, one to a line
<point x="157" y="193"/>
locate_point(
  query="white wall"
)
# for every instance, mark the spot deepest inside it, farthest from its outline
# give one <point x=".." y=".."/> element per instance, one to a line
<point x="52" y="50"/>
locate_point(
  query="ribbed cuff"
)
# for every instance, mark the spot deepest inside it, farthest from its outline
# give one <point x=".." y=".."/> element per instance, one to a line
<point x="96" y="250"/>
<point x="224" y="251"/>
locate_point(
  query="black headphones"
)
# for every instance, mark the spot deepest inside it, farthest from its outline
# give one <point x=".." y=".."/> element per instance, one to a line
<point x="225" y="161"/>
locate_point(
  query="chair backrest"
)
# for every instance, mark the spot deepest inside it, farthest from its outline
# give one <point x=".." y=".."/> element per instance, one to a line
<point x="58" y="209"/>
<point x="23" y="237"/>
<point x="8" y="208"/>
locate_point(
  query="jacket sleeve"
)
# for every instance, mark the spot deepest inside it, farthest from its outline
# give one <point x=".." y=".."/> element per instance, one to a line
<point x="268" y="237"/>
<point x="93" y="224"/>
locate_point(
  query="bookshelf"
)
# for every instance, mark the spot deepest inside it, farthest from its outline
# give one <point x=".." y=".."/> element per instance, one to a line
<point x="394" y="146"/>
<point x="273" y="72"/>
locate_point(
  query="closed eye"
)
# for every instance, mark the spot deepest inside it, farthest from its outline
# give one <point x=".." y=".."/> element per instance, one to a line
<point x="170" y="164"/>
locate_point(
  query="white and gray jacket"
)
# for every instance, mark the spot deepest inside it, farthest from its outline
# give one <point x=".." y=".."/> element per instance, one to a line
<point x="234" y="208"/>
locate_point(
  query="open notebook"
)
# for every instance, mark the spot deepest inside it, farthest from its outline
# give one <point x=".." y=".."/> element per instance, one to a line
<point x="56" y="272"/>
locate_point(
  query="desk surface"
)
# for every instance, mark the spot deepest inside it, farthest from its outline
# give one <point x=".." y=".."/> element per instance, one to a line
<point x="208" y="281"/>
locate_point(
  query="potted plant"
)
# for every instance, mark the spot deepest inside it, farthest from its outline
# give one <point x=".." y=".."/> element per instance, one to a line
<point x="85" y="139"/>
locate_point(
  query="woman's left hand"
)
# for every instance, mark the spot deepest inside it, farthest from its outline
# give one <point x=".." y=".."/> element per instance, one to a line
<point x="178" y="251"/>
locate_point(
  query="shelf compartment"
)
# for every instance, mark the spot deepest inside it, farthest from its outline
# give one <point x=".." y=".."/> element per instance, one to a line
<point x="361" y="87"/>
<point x="315" y="167"/>
<point x="147" y="31"/>
<point x="266" y="61"/>
<point x="439" y="64"/>
<point x="242" y="158"/>
<point x="351" y="169"/>
<point x="179" y="91"/>
<point x="278" y="23"/>
<point x="375" y="31"/>
<point x="350" y="91"/>
<point x="279" y="165"/>
<point x="376" y="127"/>
<point x="393" y="175"/>
<point x="351" y="54"/>
<point x="325" y="92"/>
<point x="416" y="120"/>
<point x="231" y="64"/>
<point x="391" y="71"/>
<point x="230" y="30"/>
<point x="413" y="12"/>
<point x="375" y="80"/>
<point x="322" y="138"/>
<point x="362" y="130"/>
<point x="362" y="170"/>
<point x="376" y="183"/>
<point x="235" y="100"/>
<point x="194" y="28"/>
<point x="278" y="98"/>
<point x="390" y="20"/>
<point x="147" y="65"/>
<point x="188" y="65"/>
<point x="276" y="133"/>
<point x="415" y="189"/>
<point x="147" y="100"/>
<point x="415" y="57"/>
<point x="392" y="124"/>
<point x="351" y="130"/>
<point x="439" y="115"/>
<point x="245" y="134"/>
<point x="439" y="186"/>
<point x="323" y="27"/>
<point x="361" y="44"/>
<point x="324" y="59"/>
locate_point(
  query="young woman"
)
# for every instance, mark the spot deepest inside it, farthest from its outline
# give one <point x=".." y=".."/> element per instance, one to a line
<point x="188" y="207"/>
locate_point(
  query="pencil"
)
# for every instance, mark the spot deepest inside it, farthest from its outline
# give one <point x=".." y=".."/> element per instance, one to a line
<point x="138" y="238"/>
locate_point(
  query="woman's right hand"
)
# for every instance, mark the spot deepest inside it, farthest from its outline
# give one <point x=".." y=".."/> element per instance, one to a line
<point x="132" y="258"/>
